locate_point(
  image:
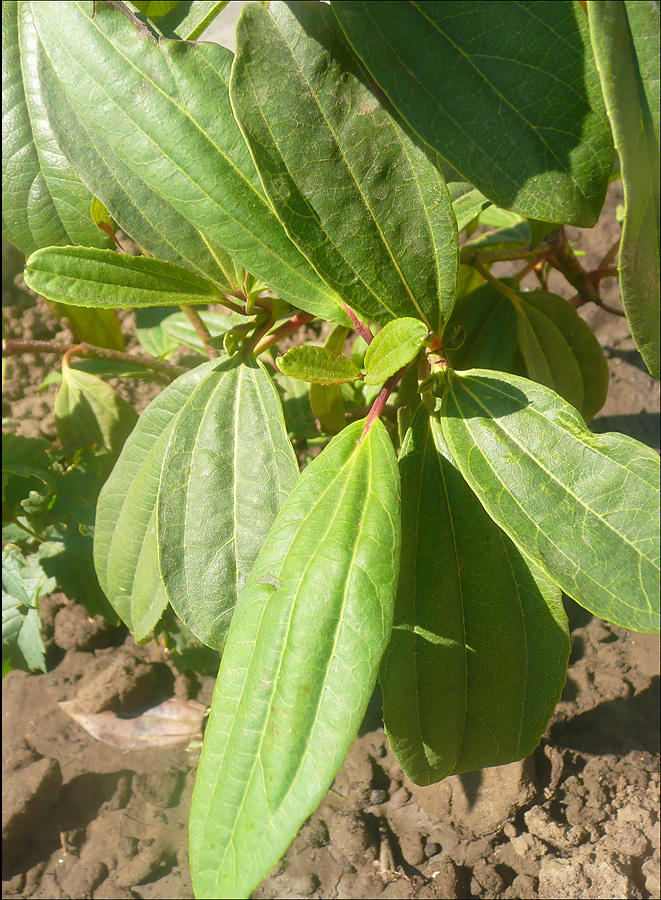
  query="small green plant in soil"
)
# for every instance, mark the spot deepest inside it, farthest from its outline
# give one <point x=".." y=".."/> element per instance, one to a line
<point x="364" y="165"/>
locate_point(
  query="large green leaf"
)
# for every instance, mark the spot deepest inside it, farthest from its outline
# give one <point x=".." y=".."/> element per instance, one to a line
<point x="458" y="696"/>
<point x="227" y="470"/>
<point x="125" y="542"/>
<point x="88" y="411"/>
<point x="102" y="278"/>
<point x="300" y="662"/>
<point x="584" y="507"/>
<point x="358" y="197"/>
<point x="561" y="351"/>
<point x="625" y="38"/>
<point x="507" y="92"/>
<point x="43" y="200"/>
<point x="162" y="110"/>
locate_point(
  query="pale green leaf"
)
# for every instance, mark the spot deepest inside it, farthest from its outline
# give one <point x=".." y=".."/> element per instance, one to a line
<point x="99" y="327"/>
<point x="584" y="507"/>
<point x="327" y="400"/>
<point x="125" y="547"/>
<point x="467" y="202"/>
<point x="88" y="411"/>
<point x="318" y="365"/>
<point x="158" y="113"/>
<point x="151" y="333"/>
<point x="190" y="18"/>
<point x="361" y="200"/>
<point x="103" y="278"/>
<point x="43" y="200"/>
<point x="395" y="346"/>
<point x="458" y="696"/>
<point x="507" y="93"/>
<point x="23" y="583"/>
<point x="625" y="39"/>
<point x="300" y="662"/>
<point x="227" y="470"/>
<point x="179" y="327"/>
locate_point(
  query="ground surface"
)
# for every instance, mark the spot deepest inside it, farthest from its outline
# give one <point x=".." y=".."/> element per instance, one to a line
<point x="578" y="819"/>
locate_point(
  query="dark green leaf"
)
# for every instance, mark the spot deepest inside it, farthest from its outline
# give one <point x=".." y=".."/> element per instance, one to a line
<point x="561" y="351"/>
<point x="300" y="663"/>
<point x="489" y="320"/>
<point x="582" y="506"/>
<point x="88" y="412"/>
<point x="458" y="696"/>
<point x="189" y="18"/>
<point x="395" y="346"/>
<point x="227" y="470"/>
<point x="318" y="365"/>
<point x="125" y="544"/>
<point x="43" y="201"/>
<point x="295" y="396"/>
<point x="358" y="197"/>
<point x="625" y="38"/>
<point x="197" y="166"/>
<point x="508" y="94"/>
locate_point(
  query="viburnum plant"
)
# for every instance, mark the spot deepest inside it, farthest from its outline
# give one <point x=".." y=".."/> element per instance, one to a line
<point x="325" y="173"/>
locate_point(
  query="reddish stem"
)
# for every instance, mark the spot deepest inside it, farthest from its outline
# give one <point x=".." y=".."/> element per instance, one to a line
<point x="362" y="329"/>
<point x="284" y="331"/>
<point x="382" y="399"/>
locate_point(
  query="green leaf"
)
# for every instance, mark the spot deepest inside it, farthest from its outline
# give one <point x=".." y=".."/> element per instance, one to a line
<point x="300" y="662"/>
<point x="23" y="583"/>
<point x="103" y="278"/>
<point x="295" y="397"/>
<point x="180" y="328"/>
<point x="582" y="506"/>
<point x="327" y="400"/>
<point x="509" y="95"/>
<point x="625" y="39"/>
<point x="197" y="167"/>
<point x="150" y="331"/>
<point x="467" y="202"/>
<point x="155" y="9"/>
<point x="227" y="470"/>
<point x="489" y="320"/>
<point x="396" y="345"/>
<point x="189" y="18"/>
<point x="44" y="201"/>
<point x="361" y="200"/>
<point x="104" y="368"/>
<point x="458" y="696"/>
<point x="125" y="543"/>
<point x="318" y="365"/>
<point x="88" y="411"/>
<point x="561" y="351"/>
<point x="99" y="327"/>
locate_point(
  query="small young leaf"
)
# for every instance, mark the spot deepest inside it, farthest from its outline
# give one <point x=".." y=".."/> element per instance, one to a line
<point x="300" y="662"/>
<point x="84" y="276"/>
<point x="545" y="478"/>
<point x="125" y="548"/>
<point x="327" y="400"/>
<point x="88" y="411"/>
<point x="23" y="583"/>
<point x="318" y="366"/>
<point x="227" y="470"/>
<point x="396" y="345"/>
<point x="99" y="327"/>
<point x="456" y="696"/>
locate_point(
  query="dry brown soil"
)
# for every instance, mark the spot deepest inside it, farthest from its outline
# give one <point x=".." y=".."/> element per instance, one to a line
<point x="578" y="819"/>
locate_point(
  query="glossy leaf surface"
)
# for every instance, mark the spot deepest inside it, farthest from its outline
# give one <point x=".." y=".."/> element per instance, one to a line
<point x="227" y="470"/>
<point x="458" y="696"/>
<point x="477" y="80"/>
<point x="88" y="411"/>
<point x="625" y="38"/>
<point x="396" y="345"/>
<point x="300" y="663"/>
<point x="318" y="365"/>
<point x="198" y="166"/>
<point x="43" y="200"/>
<point x="103" y="278"/>
<point x="125" y="542"/>
<point x="582" y="506"/>
<point x="561" y="351"/>
<point x="357" y="196"/>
